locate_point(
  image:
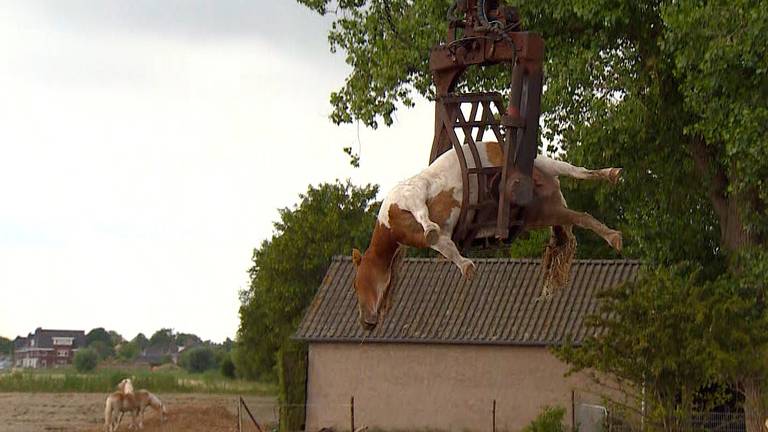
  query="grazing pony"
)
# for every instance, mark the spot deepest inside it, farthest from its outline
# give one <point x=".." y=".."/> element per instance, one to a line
<point x="422" y="212"/>
<point x="119" y="402"/>
<point x="145" y="399"/>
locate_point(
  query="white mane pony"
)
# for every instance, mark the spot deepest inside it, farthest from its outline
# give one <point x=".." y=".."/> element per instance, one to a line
<point x="118" y="403"/>
<point x="136" y="402"/>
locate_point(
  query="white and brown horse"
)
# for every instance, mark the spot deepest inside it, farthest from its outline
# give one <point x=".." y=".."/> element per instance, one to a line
<point x="422" y="212"/>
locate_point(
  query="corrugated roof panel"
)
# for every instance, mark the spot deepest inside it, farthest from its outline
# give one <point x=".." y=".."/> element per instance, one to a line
<point x="433" y="304"/>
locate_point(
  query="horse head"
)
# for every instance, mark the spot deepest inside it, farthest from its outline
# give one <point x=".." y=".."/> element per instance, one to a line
<point x="125" y="386"/>
<point x="374" y="278"/>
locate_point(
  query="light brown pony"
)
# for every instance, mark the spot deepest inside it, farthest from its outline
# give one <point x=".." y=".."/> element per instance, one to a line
<point x="119" y="402"/>
<point x="145" y="399"/>
<point x="422" y="212"/>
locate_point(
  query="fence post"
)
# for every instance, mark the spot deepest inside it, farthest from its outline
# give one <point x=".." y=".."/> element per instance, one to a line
<point x="239" y="414"/>
<point x="494" y="415"/>
<point x="573" y="410"/>
<point x="352" y="414"/>
<point x="250" y="414"/>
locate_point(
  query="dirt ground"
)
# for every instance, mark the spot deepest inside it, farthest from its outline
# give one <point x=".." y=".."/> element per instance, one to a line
<point x="84" y="412"/>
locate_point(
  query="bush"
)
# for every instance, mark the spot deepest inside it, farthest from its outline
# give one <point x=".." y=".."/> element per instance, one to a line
<point x="198" y="359"/>
<point x="292" y="373"/>
<point x="128" y="351"/>
<point x="228" y="367"/>
<point x="86" y="360"/>
<point x="550" y="420"/>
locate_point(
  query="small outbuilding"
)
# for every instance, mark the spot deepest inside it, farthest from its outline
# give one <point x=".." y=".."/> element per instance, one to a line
<point x="451" y="354"/>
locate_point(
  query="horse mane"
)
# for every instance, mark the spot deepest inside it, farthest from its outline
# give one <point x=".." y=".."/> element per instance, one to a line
<point x="394" y="273"/>
<point x="557" y="260"/>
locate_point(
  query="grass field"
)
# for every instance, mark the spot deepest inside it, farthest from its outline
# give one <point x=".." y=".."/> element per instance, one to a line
<point x="104" y="380"/>
<point x="84" y="412"/>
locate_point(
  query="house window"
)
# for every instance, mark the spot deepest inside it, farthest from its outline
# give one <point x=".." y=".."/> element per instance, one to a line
<point x="62" y="353"/>
<point x="63" y="341"/>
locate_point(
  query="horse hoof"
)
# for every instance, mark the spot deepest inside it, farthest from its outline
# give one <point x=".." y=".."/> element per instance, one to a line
<point x="432" y="235"/>
<point x="614" y="175"/>
<point x="614" y="239"/>
<point x="469" y="270"/>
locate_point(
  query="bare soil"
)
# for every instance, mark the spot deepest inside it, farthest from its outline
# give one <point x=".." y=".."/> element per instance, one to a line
<point x="84" y="412"/>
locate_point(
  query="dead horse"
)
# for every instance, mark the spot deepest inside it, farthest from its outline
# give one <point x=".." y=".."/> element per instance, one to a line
<point x="423" y="210"/>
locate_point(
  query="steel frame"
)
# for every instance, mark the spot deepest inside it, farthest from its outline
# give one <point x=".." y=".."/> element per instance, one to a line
<point x="490" y="36"/>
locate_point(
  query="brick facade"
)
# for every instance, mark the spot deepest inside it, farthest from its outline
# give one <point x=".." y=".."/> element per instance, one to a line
<point x="47" y="348"/>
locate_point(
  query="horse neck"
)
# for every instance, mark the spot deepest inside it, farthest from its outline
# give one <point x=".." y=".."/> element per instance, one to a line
<point x="383" y="246"/>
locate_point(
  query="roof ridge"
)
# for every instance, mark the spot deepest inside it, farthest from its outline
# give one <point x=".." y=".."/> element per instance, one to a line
<point x="512" y="260"/>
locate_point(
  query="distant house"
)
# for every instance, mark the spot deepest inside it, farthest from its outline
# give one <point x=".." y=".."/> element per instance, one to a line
<point x="157" y="355"/>
<point x="47" y="348"/>
<point x="452" y="354"/>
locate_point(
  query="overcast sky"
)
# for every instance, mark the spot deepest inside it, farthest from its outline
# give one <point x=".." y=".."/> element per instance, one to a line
<point x="145" y="146"/>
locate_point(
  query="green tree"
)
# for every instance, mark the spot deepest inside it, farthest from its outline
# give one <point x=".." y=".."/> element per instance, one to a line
<point x="673" y="91"/>
<point x="101" y="341"/>
<point x="86" y="360"/>
<point x="162" y="338"/>
<point x="101" y="348"/>
<point x="198" y="359"/>
<point x="737" y="316"/>
<point x="227" y="344"/>
<point x="141" y="341"/>
<point x="654" y="335"/>
<point x="6" y="345"/>
<point x="227" y="367"/>
<point x="287" y="269"/>
<point x="115" y="338"/>
<point x="187" y="339"/>
<point x="292" y="377"/>
<point x="128" y="351"/>
<point x="98" y="334"/>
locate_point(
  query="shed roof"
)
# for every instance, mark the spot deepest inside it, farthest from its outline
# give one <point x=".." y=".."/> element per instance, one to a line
<point x="433" y="304"/>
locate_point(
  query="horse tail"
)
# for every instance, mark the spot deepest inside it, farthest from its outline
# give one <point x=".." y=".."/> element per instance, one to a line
<point x="108" y="414"/>
<point x="558" y="258"/>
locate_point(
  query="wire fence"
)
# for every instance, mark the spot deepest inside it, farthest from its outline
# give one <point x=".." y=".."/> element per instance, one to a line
<point x="709" y="421"/>
<point x="588" y="418"/>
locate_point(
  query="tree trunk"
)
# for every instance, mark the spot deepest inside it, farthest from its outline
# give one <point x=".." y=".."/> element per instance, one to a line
<point x="733" y="234"/>
<point x="755" y="409"/>
<point x="733" y="238"/>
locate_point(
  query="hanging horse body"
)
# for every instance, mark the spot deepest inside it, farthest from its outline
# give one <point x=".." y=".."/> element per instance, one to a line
<point x="422" y="212"/>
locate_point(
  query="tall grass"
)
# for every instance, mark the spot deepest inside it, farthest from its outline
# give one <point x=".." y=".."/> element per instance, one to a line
<point x="105" y="380"/>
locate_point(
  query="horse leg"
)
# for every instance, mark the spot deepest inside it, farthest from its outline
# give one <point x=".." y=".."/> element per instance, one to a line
<point x="559" y="168"/>
<point x="565" y="216"/>
<point x="116" y="419"/>
<point x="447" y="247"/>
<point x="420" y="212"/>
